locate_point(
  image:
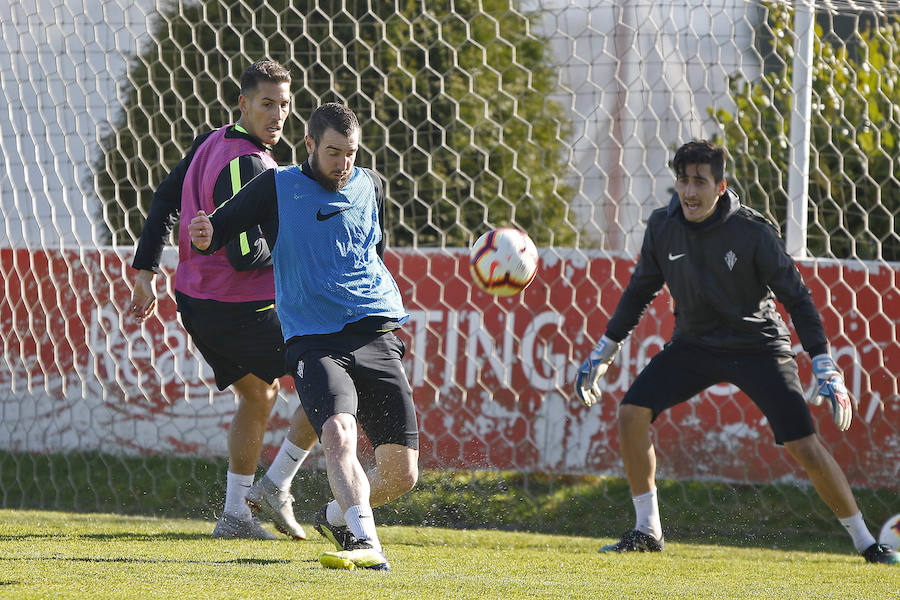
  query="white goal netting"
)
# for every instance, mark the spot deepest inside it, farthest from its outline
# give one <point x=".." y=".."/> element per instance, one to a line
<point x="557" y="117"/>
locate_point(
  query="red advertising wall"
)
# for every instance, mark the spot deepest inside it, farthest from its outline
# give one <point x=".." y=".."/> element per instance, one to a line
<point x="492" y="377"/>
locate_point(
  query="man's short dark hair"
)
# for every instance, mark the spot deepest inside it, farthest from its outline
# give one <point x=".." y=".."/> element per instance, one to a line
<point x="263" y="70"/>
<point x="700" y="152"/>
<point x="332" y="116"/>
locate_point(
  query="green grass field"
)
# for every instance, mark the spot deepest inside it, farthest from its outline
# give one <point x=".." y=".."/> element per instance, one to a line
<point x="74" y="555"/>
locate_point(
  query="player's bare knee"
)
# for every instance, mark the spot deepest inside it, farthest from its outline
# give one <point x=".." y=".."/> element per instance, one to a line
<point x="256" y="394"/>
<point x="633" y="418"/>
<point x="268" y="397"/>
<point x="339" y="434"/>
<point x="808" y="451"/>
<point x="259" y="405"/>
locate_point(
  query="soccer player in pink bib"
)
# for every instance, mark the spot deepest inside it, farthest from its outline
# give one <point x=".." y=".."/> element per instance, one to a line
<point x="226" y="299"/>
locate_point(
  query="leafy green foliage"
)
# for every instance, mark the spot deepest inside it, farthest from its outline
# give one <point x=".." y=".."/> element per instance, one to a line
<point x="854" y="189"/>
<point x="454" y="107"/>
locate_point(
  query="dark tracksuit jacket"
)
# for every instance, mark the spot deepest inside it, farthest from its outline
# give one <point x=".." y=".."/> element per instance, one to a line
<point x="724" y="275"/>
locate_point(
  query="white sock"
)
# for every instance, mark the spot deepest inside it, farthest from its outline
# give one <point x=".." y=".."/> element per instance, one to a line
<point x="856" y="527"/>
<point x="286" y="464"/>
<point x="236" y="489"/>
<point x="646" y="510"/>
<point x="335" y="514"/>
<point x="362" y="525"/>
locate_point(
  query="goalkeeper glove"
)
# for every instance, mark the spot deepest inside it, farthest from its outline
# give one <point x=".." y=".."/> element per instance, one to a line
<point x="830" y="385"/>
<point x="592" y="369"/>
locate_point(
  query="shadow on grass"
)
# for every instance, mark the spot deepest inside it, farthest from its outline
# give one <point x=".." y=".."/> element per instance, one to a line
<point x="828" y="544"/>
<point x="123" y="537"/>
<point x="127" y="559"/>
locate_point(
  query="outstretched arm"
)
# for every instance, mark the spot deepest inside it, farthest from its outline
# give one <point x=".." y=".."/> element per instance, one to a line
<point x="644" y="284"/>
<point x="782" y="276"/>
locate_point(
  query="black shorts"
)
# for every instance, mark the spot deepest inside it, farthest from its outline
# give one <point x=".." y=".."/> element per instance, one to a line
<point x="235" y="338"/>
<point x="358" y="373"/>
<point x="681" y="371"/>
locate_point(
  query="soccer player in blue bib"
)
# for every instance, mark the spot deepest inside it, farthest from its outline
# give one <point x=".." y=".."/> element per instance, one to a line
<point x="724" y="265"/>
<point x="339" y="306"/>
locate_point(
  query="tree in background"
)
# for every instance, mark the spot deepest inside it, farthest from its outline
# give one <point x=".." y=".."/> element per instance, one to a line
<point x="453" y="105"/>
<point x="854" y="188"/>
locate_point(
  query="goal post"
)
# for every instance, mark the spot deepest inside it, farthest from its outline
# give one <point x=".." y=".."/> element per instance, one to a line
<point x="555" y="116"/>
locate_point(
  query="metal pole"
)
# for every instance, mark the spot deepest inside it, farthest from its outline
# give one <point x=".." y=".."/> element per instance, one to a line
<point x="798" y="174"/>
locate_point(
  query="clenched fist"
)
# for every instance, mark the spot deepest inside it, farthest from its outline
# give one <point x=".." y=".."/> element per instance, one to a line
<point x="201" y="231"/>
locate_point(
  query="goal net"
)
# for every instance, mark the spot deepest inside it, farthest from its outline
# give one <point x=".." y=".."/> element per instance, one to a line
<point x="558" y="117"/>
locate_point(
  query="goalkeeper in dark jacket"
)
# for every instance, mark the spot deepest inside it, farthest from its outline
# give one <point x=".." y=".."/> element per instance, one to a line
<point x="725" y="265"/>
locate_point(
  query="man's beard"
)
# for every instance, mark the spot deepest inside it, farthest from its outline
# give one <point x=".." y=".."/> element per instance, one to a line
<point x="329" y="183"/>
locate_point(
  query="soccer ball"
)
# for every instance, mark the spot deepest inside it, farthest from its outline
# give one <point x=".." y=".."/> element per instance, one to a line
<point x="890" y="533"/>
<point x="503" y="261"/>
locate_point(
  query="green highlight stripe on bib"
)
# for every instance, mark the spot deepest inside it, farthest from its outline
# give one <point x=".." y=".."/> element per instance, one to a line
<point x="234" y="168"/>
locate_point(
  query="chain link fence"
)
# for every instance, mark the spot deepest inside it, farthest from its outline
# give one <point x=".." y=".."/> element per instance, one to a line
<point x="556" y="117"/>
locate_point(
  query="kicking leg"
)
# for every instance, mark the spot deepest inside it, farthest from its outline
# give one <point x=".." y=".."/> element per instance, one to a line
<point x="396" y="472"/>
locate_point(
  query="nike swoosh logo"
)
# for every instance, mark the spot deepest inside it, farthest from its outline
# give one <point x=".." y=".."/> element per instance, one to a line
<point x="675" y="256"/>
<point x="323" y="216"/>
